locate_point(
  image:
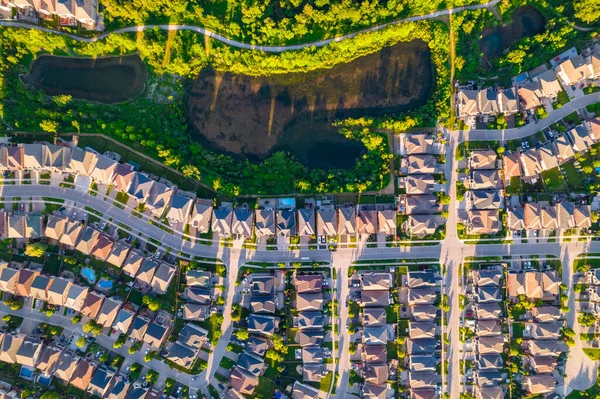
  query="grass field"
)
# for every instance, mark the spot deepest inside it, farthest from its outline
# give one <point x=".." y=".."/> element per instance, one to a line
<point x="554" y="180"/>
<point x="575" y="179"/>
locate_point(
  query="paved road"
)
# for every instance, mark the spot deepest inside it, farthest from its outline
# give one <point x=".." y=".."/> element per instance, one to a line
<point x="238" y="44"/>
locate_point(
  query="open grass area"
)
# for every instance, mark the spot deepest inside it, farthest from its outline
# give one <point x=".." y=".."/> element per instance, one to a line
<point x="517" y="330"/>
<point x="592" y="353"/>
<point x="515" y="186"/>
<point x="554" y="180"/>
<point x="575" y="179"/>
<point x="562" y="98"/>
<point x="265" y="388"/>
<point x="227" y="363"/>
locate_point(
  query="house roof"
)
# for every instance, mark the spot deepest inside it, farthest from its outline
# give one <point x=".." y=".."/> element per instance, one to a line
<point x="485" y="328"/>
<point x="243" y="381"/>
<point x="34" y="225"/>
<point x="262" y="304"/>
<point x="491" y="361"/>
<point x="133" y="262"/>
<point x="483" y="159"/>
<point x="487" y="311"/>
<point x="422" y="163"/>
<point x="309" y="337"/>
<point x="312" y="372"/>
<point x="563" y="149"/>
<point x="543" y="330"/>
<point x="309" y="319"/>
<point x="421" y="329"/>
<point x="418" y="143"/>
<point x="484" y="221"/>
<point x="103" y="246"/>
<point x="263" y="284"/>
<point x="8" y="279"/>
<point x="162" y="278"/>
<point x="258" y="345"/>
<point x="485" y="180"/>
<point x="251" y="363"/>
<point x="423" y="225"/>
<point x="156" y="334"/>
<point x="29" y="352"/>
<point x="581" y="139"/>
<point x="146" y="272"/>
<point x="511" y="166"/>
<point x="545" y="314"/>
<point x="386" y="219"/>
<point x="71" y="234"/>
<point x="582" y="216"/>
<point x="306" y="301"/>
<point x="486" y="199"/>
<point x="545" y="347"/>
<point x="467" y="102"/>
<point x="159" y="198"/>
<point x="487" y="102"/>
<point x="312" y="354"/>
<point x="375" y="298"/>
<point x="424" y="379"/>
<point x="57" y="157"/>
<point x="420" y="279"/>
<point x="193" y="336"/>
<point x="416" y="205"/>
<point x="265" y="222"/>
<point x="420" y="363"/>
<point x="198" y="294"/>
<point x="108" y="312"/>
<point x="139" y="327"/>
<point x="421" y="296"/>
<point x="122" y="177"/>
<point x="104" y="170"/>
<point x="92" y="304"/>
<point x="123" y="320"/>
<point x="82" y="375"/>
<point x="66" y="366"/>
<point x="306" y="222"/>
<point x="118" y="389"/>
<point x="221" y="221"/>
<point x="488" y="378"/>
<point x="421" y="346"/>
<point x="10" y="346"/>
<point x="55" y="226"/>
<point x="530" y="163"/>
<point x="347" y="220"/>
<point x="531" y="216"/>
<point x="261" y="324"/>
<point x="304" y="283"/>
<point x="16" y="226"/>
<point x="491" y="344"/>
<point x="375" y="281"/>
<point x="100" y="382"/>
<point x="24" y="282"/>
<point x="286" y="222"/>
<point x="140" y="186"/>
<point x="201" y="214"/>
<point x="193" y="311"/>
<point x="118" y="254"/>
<point x="530" y="95"/>
<point x="547" y="158"/>
<point x="82" y="162"/>
<point x="548" y="83"/>
<point x="573" y="70"/>
<point x="487" y="277"/>
<point x="76" y="297"/>
<point x="49" y="359"/>
<point x="374" y="354"/>
<point x="198" y="278"/>
<point x="539" y="383"/>
<point x="179" y="211"/>
<point x="543" y="364"/>
<point x="39" y="287"/>
<point x="366" y="222"/>
<point x="33" y="156"/>
<point x="14" y="157"/>
<point x="420" y="184"/>
<point x="182" y="355"/>
<point x="423" y="312"/>
<point x="327" y="222"/>
<point x="242" y="222"/>
<point x="88" y="240"/>
<point x="593" y="126"/>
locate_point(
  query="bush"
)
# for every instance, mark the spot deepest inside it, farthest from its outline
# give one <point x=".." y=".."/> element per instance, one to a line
<point x="81" y="341"/>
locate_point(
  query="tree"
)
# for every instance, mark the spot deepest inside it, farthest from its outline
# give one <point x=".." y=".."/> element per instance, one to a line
<point x="587" y="11"/>
<point x="149" y="356"/>
<point x="6" y="318"/>
<point x="70" y="260"/>
<point x="151" y="376"/>
<point x="14" y="303"/>
<point x="586" y="319"/>
<point x="152" y="303"/>
<point x="274" y="355"/>
<point x="76" y="319"/>
<point x="49" y="126"/>
<point x="35" y="250"/>
<point x="500" y="150"/>
<point x="352" y="348"/>
<point x="104" y="358"/>
<point x="242" y="334"/>
<point x="135" y="347"/>
<point x="81" y="341"/>
<point x="91" y="327"/>
<point x="120" y="341"/>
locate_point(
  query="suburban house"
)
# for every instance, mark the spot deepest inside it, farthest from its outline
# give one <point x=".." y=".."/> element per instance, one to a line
<point x="104" y="170"/>
<point x="179" y="210"/>
<point x="71" y="234"/>
<point x="92" y="304"/>
<point x="242" y="223"/>
<point x="118" y="254"/>
<point x="346" y="220"/>
<point x="162" y="278"/>
<point x="286" y="223"/>
<point x="306" y="222"/>
<point x="122" y="177"/>
<point x="221" y="221"/>
<point x="82" y="162"/>
<point x="200" y="219"/>
<point x="573" y="71"/>
<point x="133" y="263"/>
<point x="76" y="297"/>
<point x="158" y="199"/>
<point x="366" y="222"/>
<point x="327" y="222"/>
<point x="140" y="187"/>
<point x="265" y="223"/>
<point x="108" y="312"/>
<point x="55" y="227"/>
<point x="549" y="85"/>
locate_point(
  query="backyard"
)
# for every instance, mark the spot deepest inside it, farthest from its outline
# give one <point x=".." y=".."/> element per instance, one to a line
<point x="554" y="180"/>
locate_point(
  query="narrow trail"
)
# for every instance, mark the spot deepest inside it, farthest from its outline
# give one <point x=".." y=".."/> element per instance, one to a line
<point x="247" y="46"/>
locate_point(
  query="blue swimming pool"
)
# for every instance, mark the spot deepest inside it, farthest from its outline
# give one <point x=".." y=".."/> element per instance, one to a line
<point x="44" y="380"/>
<point x="287" y="202"/>
<point x="26" y="373"/>
<point x="89" y="274"/>
<point x="105" y="284"/>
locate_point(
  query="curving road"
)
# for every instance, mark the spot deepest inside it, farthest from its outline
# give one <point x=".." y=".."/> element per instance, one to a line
<point x="247" y="46"/>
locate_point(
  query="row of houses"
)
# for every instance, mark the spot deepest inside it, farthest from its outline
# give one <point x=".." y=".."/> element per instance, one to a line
<point x="545" y="217"/>
<point x="109" y="312"/>
<point x="488" y="362"/>
<point x="327" y="221"/>
<point x="542" y="343"/>
<point x="484" y="198"/>
<point x="486" y="102"/>
<point x="199" y="295"/>
<point x="529" y="164"/>
<point x="423" y="342"/>
<point x="375" y="297"/>
<point x="52" y="361"/>
<point x="68" y="12"/>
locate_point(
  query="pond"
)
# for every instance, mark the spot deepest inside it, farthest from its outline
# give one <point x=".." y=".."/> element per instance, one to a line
<point x="107" y="80"/>
<point x="526" y="21"/>
<point x="252" y="117"/>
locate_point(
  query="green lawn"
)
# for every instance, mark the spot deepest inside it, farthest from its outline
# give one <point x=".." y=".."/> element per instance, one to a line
<point x="592" y="353"/>
<point x="136" y="297"/>
<point x="554" y="180"/>
<point x="562" y="98"/>
<point x="516" y="186"/>
<point x="517" y="329"/>
<point x="391" y="316"/>
<point x="265" y="388"/>
<point x="575" y="179"/>
<point x="227" y="363"/>
<point x="52" y="265"/>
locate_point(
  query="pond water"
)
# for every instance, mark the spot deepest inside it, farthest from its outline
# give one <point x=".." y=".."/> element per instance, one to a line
<point x="107" y="80"/>
<point x="252" y="117"/>
<point x="526" y="21"/>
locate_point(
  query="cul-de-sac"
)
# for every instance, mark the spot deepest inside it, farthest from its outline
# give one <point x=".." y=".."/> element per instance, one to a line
<point x="301" y="199"/>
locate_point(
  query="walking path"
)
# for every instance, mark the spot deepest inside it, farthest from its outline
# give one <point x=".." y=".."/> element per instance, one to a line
<point x="242" y="45"/>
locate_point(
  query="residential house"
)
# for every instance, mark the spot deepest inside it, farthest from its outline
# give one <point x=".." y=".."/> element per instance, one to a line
<point x="48" y="360"/>
<point x="375" y="298"/>
<point x="307" y="302"/>
<point x="82" y="375"/>
<point x="563" y="149"/>
<point x="139" y="326"/>
<point x="156" y="334"/>
<point x="118" y="388"/>
<point x="386" y="220"/>
<point x="485" y="180"/>
<point x="467" y="104"/>
<point x="375" y="281"/>
<point x="420" y="279"/>
<point x="581" y="139"/>
<point x="482" y="159"/>
<point x="307" y="337"/>
<point x="421" y="329"/>
<point x="133" y="263"/>
<point x="158" y="199"/>
<point x="39" y="288"/>
<point x="491" y="344"/>
<point x="486" y="199"/>
<point x="530" y="95"/>
<point x="198" y="278"/>
<point x="11" y="343"/>
<point x="199" y="295"/>
<point x="286" y="223"/>
<point x="549" y="85"/>
<point x="55" y="226"/>
<point x="511" y="167"/>
<point x="103" y="247"/>
<point x="530" y="164"/>
<point x="545" y="314"/>
<point x="420" y="205"/>
<point x="201" y="214"/>
<point x="71" y="234"/>
<point x="573" y="71"/>
<point x="423" y="312"/>
<point x="118" y="254"/>
<point x="307" y="283"/>
<point x="258" y="345"/>
<point x="16" y="226"/>
<point x="25" y="281"/>
<point x="14" y="158"/>
<point x="221" y="221"/>
<point x="309" y="319"/>
<point x="76" y="297"/>
<point x="29" y="352"/>
<point x="487" y="277"/>
<point x="423" y="225"/>
<point x="56" y="157"/>
<point x="242" y="381"/>
<point x="108" y="312"/>
<point x="162" y="278"/>
<point x="146" y="272"/>
<point x="327" y="222"/>
<point x="92" y="304"/>
<point x="251" y="363"/>
<point x="531" y="216"/>
<point x="263" y="284"/>
<point x="8" y="279"/>
<point x="422" y="164"/>
<point x="547" y="158"/>
<point x="140" y="186"/>
<point x="419" y="184"/>
<point x="539" y="384"/>
<point x="484" y="222"/>
<point x="265" y="223"/>
<point x="418" y="143"/>
<point x="422" y="296"/>
<point x="193" y="336"/>
<point x="593" y="127"/>
<point x="122" y="177"/>
<point x="66" y="366"/>
<point x="82" y="162"/>
<point x="366" y="222"/>
<point x="100" y="382"/>
<point x="87" y="241"/>
<point x="262" y="324"/>
<point x="33" y="156"/>
<point x="123" y="320"/>
<point x="374" y="354"/>
<point x="181" y="355"/>
<point x="180" y="208"/>
<point x="104" y="170"/>
<point x="306" y="222"/>
<point x="34" y="226"/>
<point x="347" y="220"/>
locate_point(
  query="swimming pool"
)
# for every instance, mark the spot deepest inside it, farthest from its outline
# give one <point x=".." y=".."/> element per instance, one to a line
<point x="105" y="284"/>
<point x="26" y="373"/>
<point x="44" y="380"/>
<point x="89" y="274"/>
